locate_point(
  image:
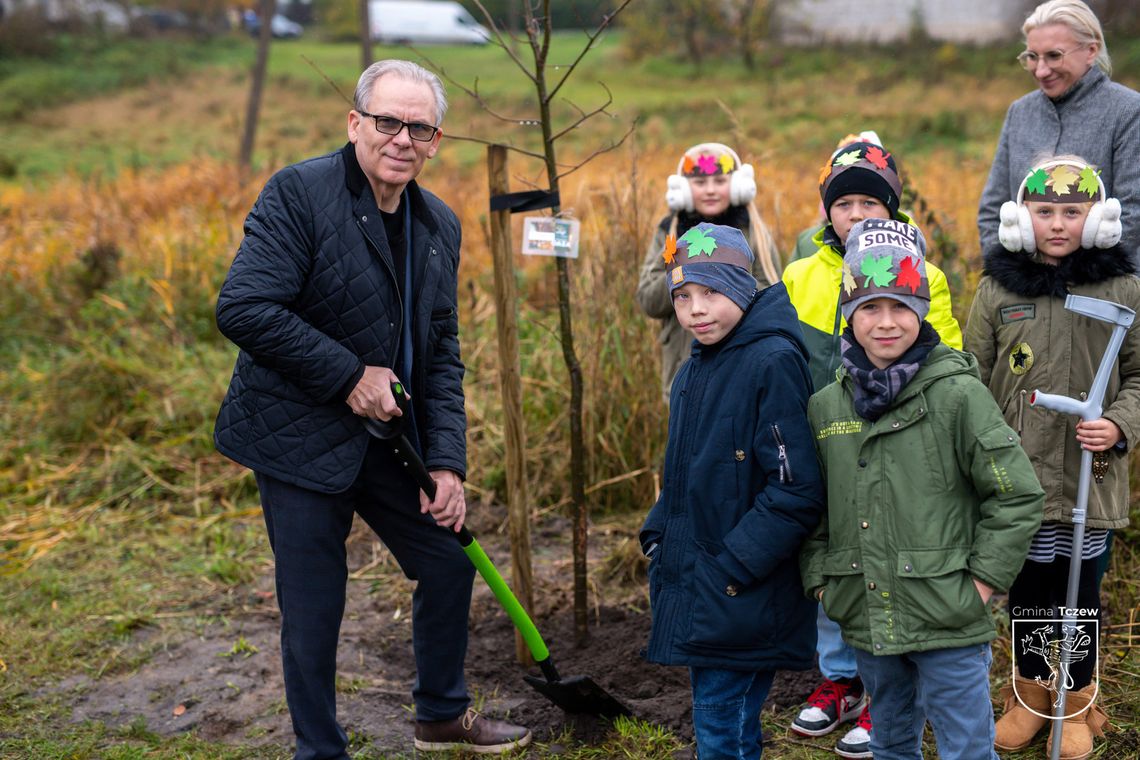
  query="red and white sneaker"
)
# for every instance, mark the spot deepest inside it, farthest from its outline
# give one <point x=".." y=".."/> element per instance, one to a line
<point x="856" y="743"/>
<point x="829" y="705"/>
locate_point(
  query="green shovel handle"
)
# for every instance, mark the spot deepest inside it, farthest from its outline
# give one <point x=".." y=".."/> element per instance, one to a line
<point x="504" y="594"/>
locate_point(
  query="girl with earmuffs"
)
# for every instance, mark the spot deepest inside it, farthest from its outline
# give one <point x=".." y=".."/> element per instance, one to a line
<point x="713" y="185"/>
<point x="1059" y="236"/>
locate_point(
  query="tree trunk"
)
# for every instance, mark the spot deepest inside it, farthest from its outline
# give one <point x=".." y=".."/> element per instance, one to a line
<point x="539" y="35"/>
<point x="365" y="36"/>
<point x="266" y="9"/>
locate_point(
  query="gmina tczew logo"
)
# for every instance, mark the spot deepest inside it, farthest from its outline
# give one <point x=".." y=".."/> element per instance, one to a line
<point x="1076" y="642"/>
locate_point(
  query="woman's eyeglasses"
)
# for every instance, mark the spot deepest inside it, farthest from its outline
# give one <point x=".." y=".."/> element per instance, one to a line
<point x="1029" y="59"/>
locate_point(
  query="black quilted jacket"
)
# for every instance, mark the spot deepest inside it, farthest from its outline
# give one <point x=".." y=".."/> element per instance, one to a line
<point x="310" y="299"/>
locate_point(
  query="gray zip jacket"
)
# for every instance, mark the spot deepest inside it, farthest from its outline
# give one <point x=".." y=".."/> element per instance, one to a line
<point x="1098" y="120"/>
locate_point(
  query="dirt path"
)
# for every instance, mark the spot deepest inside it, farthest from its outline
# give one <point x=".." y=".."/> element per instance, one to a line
<point x="224" y="681"/>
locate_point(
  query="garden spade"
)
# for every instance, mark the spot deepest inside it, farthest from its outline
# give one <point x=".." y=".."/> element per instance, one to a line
<point x="574" y="694"/>
<point x="1091" y="408"/>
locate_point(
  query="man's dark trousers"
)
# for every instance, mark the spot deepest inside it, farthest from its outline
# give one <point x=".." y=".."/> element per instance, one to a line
<point x="307" y="531"/>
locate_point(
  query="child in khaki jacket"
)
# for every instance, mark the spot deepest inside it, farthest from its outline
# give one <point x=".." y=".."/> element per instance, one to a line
<point x="1059" y="237"/>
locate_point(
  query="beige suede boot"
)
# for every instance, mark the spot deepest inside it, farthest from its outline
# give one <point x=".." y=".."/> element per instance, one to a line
<point x="1017" y="725"/>
<point x="1077" y="736"/>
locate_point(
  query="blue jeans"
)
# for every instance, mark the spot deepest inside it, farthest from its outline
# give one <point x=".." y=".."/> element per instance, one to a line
<point x="726" y="712"/>
<point x="836" y="657"/>
<point x="951" y="687"/>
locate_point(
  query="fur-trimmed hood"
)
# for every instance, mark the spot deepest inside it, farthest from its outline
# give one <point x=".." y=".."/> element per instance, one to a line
<point x="1026" y="274"/>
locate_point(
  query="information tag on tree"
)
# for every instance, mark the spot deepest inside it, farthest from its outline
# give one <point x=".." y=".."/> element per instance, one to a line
<point x="550" y="236"/>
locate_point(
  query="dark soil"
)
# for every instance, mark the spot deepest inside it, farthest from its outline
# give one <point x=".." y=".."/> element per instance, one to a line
<point x="222" y="678"/>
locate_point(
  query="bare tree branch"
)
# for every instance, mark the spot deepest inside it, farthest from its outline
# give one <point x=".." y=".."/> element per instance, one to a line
<point x="325" y="76"/>
<point x="586" y="116"/>
<point x="508" y="146"/>
<point x="598" y="152"/>
<point x="474" y="93"/>
<point x="592" y="37"/>
<point x="501" y="43"/>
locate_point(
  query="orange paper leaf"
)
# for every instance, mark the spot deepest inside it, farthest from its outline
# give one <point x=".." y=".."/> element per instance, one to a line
<point x="670" y="249"/>
<point x="824" y="172"/>
<point x="687" y="165"/>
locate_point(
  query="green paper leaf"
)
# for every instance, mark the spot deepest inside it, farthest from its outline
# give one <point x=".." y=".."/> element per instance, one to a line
<point x="699" y="242"/>
<point x="1090" y="185"/>
<point x="848" y="158"/>
<point x="1036" y="182"/>
<point x="878" y="269"/>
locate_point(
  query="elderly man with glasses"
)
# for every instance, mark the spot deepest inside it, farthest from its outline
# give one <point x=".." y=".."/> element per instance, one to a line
<point x="344" y="284"/>
<point x="1076" y="109"/>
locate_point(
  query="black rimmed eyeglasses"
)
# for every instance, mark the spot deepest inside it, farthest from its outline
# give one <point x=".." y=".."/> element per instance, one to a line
<point x="389" y="125"/>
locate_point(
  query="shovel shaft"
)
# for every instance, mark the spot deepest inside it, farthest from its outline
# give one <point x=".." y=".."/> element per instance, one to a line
<point x="505" y="596"/>
<point x="407" y="456"/>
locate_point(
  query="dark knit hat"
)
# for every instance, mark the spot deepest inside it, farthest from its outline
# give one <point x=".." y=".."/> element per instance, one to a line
<point x="715" y="256"/>
<point x="885" y="258"/>
<point x="860" y="167"/>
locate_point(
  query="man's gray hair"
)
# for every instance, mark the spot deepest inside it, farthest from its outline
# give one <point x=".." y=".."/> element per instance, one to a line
<point x="405" y="70"/>
<point x="1080" y="20"/>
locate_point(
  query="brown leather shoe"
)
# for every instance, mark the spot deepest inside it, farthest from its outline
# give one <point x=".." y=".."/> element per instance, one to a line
<point x="470" y="732"/>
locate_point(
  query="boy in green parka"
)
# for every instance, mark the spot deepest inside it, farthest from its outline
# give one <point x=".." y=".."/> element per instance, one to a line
<point x="931" y="505"/>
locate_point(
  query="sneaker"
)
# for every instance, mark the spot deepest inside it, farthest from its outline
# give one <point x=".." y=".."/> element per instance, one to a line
<point x="831" y="704"/>
<point x="470" y="732"/>
<point x="857" y="742"/>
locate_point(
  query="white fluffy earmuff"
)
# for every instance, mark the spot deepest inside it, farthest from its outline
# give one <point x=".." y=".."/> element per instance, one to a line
<point x="741" y="188"/>
<point x="1102" y="225"/>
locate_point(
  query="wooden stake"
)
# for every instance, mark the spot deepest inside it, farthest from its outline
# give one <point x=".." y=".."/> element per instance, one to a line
<point x="506" y="319"/>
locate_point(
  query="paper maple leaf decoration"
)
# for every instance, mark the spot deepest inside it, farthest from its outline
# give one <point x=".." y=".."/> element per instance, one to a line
<point x="908" y="274"/>
<point x="1090" y="182"/>
<point x="848" y="158"/>
<point x="727" y="165"/>
<point x="707" y="164"/>
<point x="1035" y="183"/>
<point x="849" y="283"/>
<point x="877" y="157"/>
<point x="670" y="251"/>
<point x="824" y="173"/>
<point x="877" y="269"/>
<point x="687" y="165"/>
<point x="1061" y="179"/>
<point x="699" y="242"/>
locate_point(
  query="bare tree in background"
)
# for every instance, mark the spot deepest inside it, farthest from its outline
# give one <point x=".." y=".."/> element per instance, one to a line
<point x="266" y="9"/>
<point x="365" y="36"/>
<point x="539" y="30"/>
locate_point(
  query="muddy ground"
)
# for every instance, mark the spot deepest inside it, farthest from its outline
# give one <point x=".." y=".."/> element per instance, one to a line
<point x="219" y="674"/>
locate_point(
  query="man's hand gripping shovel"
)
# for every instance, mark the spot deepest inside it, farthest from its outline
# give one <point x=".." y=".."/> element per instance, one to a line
<point x="574" y="694"/>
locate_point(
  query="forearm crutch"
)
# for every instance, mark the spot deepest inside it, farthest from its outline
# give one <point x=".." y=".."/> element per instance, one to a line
<point x="1090" y="409"/>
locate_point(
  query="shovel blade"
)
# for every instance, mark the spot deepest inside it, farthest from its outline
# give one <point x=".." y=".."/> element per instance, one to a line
<point x="579" y="694"/>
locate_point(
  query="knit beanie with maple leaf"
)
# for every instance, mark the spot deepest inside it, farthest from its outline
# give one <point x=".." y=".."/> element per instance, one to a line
<point x="885" y="258"/>
<point x="860" y="167"/>
<point x="715" y="256"/>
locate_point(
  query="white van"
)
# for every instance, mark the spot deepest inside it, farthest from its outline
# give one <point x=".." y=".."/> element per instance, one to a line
<point x="442" y="22"/>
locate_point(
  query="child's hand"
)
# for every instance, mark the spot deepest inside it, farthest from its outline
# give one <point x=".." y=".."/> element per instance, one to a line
<point x="1098" y="435"/>
<point x="984" y="591"/>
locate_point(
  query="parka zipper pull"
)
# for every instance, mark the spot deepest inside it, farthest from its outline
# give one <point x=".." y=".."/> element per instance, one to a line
<point x="782" y="455"/>
<point x="1021" y="410"/>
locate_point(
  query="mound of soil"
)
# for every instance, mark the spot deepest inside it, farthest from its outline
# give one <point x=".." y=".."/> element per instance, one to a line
<point x="223" y="679"/>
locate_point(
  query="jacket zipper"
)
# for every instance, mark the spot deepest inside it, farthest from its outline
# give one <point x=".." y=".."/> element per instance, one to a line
<point x="782" y="455"/>
<point x="399" y="299"/>
<point x="1021" y="410"/>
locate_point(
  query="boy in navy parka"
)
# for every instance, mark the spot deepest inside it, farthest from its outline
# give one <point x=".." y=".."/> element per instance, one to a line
<point x="741" y="491"/>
